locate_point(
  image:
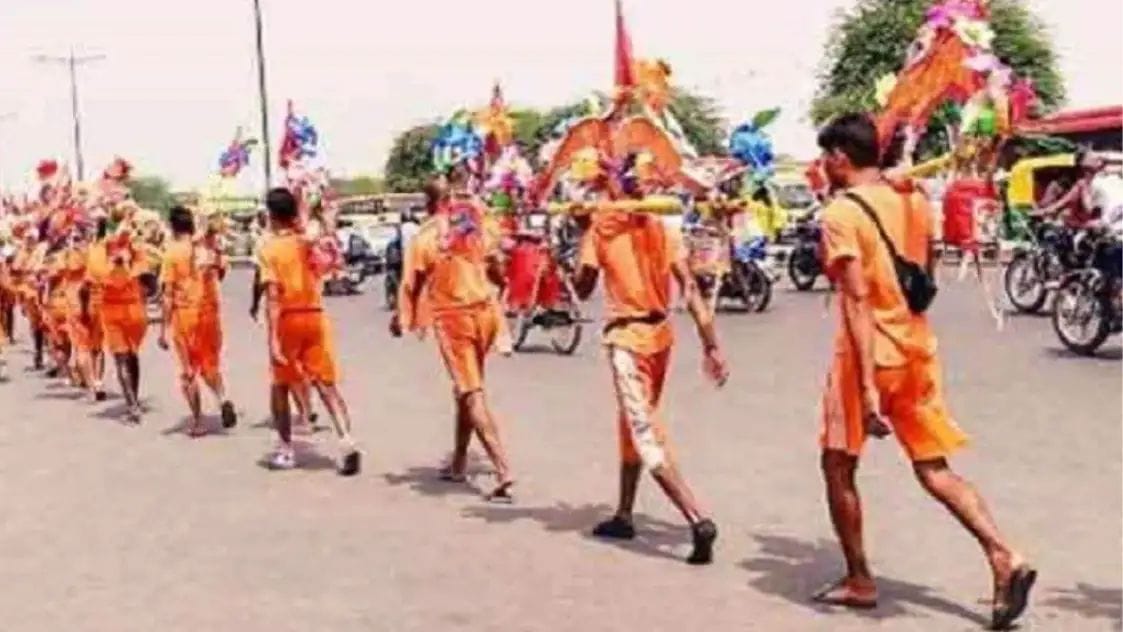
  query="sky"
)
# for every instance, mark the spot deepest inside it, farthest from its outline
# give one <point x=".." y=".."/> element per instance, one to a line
<point x="178" y="77"/>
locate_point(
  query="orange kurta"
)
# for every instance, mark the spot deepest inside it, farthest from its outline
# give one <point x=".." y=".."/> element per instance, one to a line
<point x="83" y="322"/>
<point x="635" y="254"/>
<point x="303" y="330"/>
<point x="190" y="276"/>
<point x="907" y="372"/>
<point x="450" y="254"/>
<point x="113" y="270"/>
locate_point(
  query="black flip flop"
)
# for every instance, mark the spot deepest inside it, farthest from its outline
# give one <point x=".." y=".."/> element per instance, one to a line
<point x="1015" y="598"/>
<point x="501" y="493"/>
<point x="229" y="416"/>
<point x="448" y="476"/>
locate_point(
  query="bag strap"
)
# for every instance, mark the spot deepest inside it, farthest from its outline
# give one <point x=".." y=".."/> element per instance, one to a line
<point x="865" y="206"/>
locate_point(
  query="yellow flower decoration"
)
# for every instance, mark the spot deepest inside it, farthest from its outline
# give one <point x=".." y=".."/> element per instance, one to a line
<point x="975" y="33"/>
<point x="884" y="87"/>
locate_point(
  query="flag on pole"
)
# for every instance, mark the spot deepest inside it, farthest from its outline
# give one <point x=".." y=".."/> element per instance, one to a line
<point x="625" y="66"/>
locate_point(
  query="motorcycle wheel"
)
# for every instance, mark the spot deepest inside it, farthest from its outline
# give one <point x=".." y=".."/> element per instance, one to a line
<point x="566" y="338"/>
<point x="802" y="270"/>
<point x="759" y="287"/>
<point x="1081" y="318"/>
<point x="1025" y="289"/>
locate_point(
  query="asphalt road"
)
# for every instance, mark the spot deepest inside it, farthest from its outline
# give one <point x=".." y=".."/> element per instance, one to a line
<point x="108" y="527"/>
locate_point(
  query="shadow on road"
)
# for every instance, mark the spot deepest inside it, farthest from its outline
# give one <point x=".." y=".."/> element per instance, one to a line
<point x="211" y="423"/>
<point x="654" y="537"/>
<point x="426" y="480"/>
<point x="1091" y="602"/>
<point x="794" y="570"/>
<point x="59" y="395"/>
<point x="1109" y="354"/>
<point x="307" y="458"/>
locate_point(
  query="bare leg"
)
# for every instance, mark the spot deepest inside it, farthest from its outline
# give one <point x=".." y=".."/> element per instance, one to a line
<point x="463" y="437"/>
<point x="134" y="374"/>
<point x="340" y="415"/>
<point x="487" y="430"/>
<point x="126" y="381"/>
<point x="965" y="503"/>
<point x="189" y="386"/>
<point x="988" y="294"/>
<point x="629" y="483"/>
<point x="282" y="417"/>
<point x="670" y="479"/>
<point x="858" y="587"/>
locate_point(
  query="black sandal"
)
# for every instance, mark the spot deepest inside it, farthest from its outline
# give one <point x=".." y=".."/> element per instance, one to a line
<point x="1014" y="599"/>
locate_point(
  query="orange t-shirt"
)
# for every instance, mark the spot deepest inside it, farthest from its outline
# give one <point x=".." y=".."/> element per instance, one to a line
<point x="112" y="270"/>
<point x="452" y="253"/>
<point x="191" y="273"/>
<point x="849" y="233"/>
<point x="74" y="275"/>
<point x="634" y="252"/>
<point x="284" y="261"/>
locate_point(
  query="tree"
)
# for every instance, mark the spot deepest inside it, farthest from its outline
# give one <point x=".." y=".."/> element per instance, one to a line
<point x="411" y="161"/>
<point x="701" y="121"/>
<point x="152" y="192"/>
<point x="871" y="41"/>
<point x="361" y="185"/>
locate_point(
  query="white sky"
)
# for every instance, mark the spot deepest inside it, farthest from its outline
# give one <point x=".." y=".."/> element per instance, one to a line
<point x="179" y="75"/>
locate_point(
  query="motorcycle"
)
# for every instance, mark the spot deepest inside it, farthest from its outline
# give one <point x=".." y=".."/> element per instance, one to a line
<point x="1035" y="268"/>
<point x="742" y="273"/>
<point x="1089" y="302"/>
<point x="359" y="264"/>
<point x="805" y="263"/>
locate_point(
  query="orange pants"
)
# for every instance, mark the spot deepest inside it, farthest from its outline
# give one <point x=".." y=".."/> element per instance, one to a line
<point x="86" y="335"/>
<point x="911" y="398"/>
<point x="197" y="336"/>
<point x="465" y="336"/>
<point x="57" y="321"/>
<point x="305" y="339"/>
<point x="124" y="326"/>
<point x="639" y="380"/>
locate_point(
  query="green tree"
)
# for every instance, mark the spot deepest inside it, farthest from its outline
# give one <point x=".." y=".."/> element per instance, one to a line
<point x="701" y="121"/>
<point x="411" y="159"/>
<point x="361" y="185"/>
<point x="152" y="192"/>
<point x="872" y="40"/>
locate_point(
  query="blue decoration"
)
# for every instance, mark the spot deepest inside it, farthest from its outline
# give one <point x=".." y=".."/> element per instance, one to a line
<point x="752" y="146"/>
<point x="457" y="142"/>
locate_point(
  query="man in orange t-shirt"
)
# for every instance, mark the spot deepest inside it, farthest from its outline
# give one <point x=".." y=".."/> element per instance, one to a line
<point x="449" y="268"/>
<point x="57" y="308"/>
<point x="84" y="320"/>
<point x="190" y="274"/>
<point x="113" y="271"/>
<point x="27" y="266"/>
<point x="885" y="368"/>
<point x="638" y="256"/>
<point x="300" y="345"/>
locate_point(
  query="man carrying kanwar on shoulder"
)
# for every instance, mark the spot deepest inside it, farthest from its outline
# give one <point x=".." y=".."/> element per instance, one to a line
<point x="191" y="275"/>
<point x="300" y="343"/>
<point x="638" y="256"/>
<point x="450" y="268"/>
<point x="886" y="374"/>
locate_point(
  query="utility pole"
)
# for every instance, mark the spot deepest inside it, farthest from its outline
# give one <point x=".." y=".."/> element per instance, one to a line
<point x="72" y="62"/>
<point x="263" y="95"/>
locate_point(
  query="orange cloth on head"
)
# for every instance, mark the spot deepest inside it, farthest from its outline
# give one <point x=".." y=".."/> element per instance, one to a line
<point x="465" y="337"/>
<point x="904" y="347"/>
<point x="303" y="330"/>
<point x="639" y="380"/>
<point x="634" y="252"/>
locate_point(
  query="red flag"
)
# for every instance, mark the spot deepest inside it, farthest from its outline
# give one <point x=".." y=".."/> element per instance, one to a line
<point x="625" y="73"/>
<point x="290" y="148"/>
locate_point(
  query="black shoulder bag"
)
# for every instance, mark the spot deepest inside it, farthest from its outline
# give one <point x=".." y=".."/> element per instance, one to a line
<point x="918" y="287"/>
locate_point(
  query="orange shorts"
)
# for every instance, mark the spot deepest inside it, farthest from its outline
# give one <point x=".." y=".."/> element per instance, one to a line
<point x="911" y="398"/>
<point x="124" y="327"/>
<point x="464" y="337"/>
<point x="305" y="338"/>
<point x="197" y="336"/>
<point x="85" y="335"/>
<point x="639" y="379"/>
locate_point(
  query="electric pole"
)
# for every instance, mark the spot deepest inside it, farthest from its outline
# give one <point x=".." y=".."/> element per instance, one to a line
<point x="263" y="95"/>
<point x="72" y="62"/>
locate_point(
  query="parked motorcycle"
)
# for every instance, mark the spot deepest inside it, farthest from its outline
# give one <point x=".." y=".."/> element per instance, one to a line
<point x="746" y="277"/>
<point x="1089" y="303"/>
<point x="359" y="264"/>
<point x="805" y="263"/>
